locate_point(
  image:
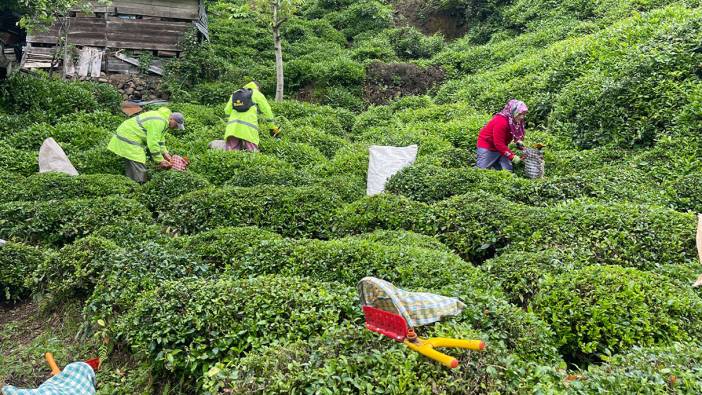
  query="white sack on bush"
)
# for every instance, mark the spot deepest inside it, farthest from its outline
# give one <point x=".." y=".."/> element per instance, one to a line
<point x="52" y="158"/>
<point x="217" y="145"/>
<point x="384" y="162"/>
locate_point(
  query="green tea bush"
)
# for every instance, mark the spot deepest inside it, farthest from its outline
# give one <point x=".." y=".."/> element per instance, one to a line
<point x="336" y="121"/>
<point x="669" y="160"/>
<point x="11" y="124"/>
<point x="59" y="222"/>
<point x="384" y="211"/>
<point x="96" y="119"/>
<point x="220" y="166"/>
<point x="222" y="246"/>
<point x="602" y="310"/>
<point x="351" y="160"/>
<point x="520" y="274"/>
<point x="656" y="370"/>
<point x="327" y="144"/>
<point x="17" y="161"/>
<point x="403" y="136"/>
<point x="199" y="116"/>
<point x="477" y="224"/>
<point x="369" y="47"/>
<point x="410" y="43"/>
<point x="349" y="187"/>
<point x="167" y="185"/>
<point x="349" y="260"/>
<point x="30" y="93"/>
<point x="572" y="162"/>
<point x="98" y="160"/>
<point x="134" y="271"/>
<point x="429" y="184"/>
<point x="212" y="93"/>
<point x="644" y="94"/>
<point x="394" y="238"/>
<point x="73" y="136"/>
<point x="17" y="263"/>
<point x="346" y="357"/>
<point x="59" y="186"/>
<point x="75" y="270"/>
<point x="630" y="235"/>
<point x="451" y="158"/>
<point x="299" y="29"/>
<point x="337" y="69"/>
<point x="297" y="154"/>
<point x="372" y="16"/>
<point x="686" y="193"/>
<point x="292" y="212"/>
<point x="187" y="326"/>
<point x="350" y="98"/>
<point x="127" y="233"/>
<point x="606" y="183"/>
<point x="254" y="176"/>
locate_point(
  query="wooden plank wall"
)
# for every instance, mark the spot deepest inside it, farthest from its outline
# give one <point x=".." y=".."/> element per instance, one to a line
<point x="82" y="31"/>
<point x="177" y="9"/>
<point x="144" y="34"/>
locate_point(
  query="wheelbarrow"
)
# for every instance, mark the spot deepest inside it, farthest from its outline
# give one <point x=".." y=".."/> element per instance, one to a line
<point x="94" y="363"/>
<point x="385" y="308"/>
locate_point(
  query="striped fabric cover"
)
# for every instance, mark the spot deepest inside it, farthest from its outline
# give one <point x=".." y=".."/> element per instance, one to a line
<point x="417" y="308"/>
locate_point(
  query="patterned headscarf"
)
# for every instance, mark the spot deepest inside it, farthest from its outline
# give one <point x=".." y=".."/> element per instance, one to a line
<point x="511" y="110"/>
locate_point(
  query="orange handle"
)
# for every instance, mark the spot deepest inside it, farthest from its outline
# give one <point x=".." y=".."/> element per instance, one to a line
<point x="52" y="363"/>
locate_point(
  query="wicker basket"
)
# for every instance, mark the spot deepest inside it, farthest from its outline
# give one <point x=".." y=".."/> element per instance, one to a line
<point x="534" y="163"/>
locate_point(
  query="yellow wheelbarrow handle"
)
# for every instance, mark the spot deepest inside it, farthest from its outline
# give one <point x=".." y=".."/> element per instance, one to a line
<point x="426" y="348"/>
<point x="475" y="345"/>
<point x="52" y="363"/>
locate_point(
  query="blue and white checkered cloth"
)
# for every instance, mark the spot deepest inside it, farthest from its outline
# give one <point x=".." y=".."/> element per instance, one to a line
<point x="417" y="308"/>
<point x="77" y="378"/>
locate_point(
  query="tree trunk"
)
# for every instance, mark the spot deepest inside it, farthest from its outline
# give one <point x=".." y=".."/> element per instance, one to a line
<point x="279" y="75"/>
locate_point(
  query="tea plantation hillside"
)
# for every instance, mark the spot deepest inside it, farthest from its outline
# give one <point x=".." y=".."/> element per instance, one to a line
<point x="239" y="275"/>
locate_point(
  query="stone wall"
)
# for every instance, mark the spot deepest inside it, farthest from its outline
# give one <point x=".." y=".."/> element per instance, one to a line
<point x="133" y="87"/>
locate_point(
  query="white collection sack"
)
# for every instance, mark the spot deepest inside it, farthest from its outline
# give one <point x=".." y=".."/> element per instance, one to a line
<point x="52" y="158"/>
<point x="217" y="145"/>
<point x="384" y="162"/>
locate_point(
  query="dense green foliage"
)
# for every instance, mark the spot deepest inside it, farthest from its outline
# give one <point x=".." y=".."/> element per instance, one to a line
<point x="603" y="310"/>
<point x="17" y="263"/>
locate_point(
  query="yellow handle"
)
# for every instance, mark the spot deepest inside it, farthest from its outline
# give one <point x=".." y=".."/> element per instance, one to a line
<point x="428" y="351"/>
<point x="52" y="363"/>
<point x="475" y="345"/>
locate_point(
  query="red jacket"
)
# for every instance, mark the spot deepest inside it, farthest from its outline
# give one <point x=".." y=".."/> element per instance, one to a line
<point x="496" y="135"/>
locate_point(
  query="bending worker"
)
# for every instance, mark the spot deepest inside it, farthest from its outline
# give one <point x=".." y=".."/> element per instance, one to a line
<point x="495" y="136"/>
<point x="145" y="133"/>
<point x="243" y="110"/>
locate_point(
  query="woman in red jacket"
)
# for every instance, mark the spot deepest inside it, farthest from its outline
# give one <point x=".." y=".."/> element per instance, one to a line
<point x="505" y="126"/>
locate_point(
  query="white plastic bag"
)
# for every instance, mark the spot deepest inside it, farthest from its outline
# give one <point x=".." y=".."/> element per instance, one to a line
<point x="52" y="158"/>
<point x="384" y="162"/>
<point x="217" y="145"/>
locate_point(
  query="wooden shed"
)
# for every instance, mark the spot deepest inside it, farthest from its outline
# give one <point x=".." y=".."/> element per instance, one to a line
<point x="105" y="38"/>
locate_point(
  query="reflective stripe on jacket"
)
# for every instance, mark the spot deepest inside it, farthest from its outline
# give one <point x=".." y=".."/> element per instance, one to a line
<point x="141" y="134"/>
<point x="245" y="125"/>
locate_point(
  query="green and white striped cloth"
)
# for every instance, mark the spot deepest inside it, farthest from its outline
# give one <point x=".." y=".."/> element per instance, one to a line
<point x="417" y="308"/>
<point x="77" y="378"/>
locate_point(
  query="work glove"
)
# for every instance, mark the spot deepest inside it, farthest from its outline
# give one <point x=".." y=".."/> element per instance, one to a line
<point x="275" y="132"/>
<point x="516" y="159"/>
<point x="164" y="164"/>
<point x="520" y="145"/>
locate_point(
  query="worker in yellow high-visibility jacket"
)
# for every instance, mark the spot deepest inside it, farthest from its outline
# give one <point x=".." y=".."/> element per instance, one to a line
<point x="142" y="134"/>
<point x="243" y="110"/>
